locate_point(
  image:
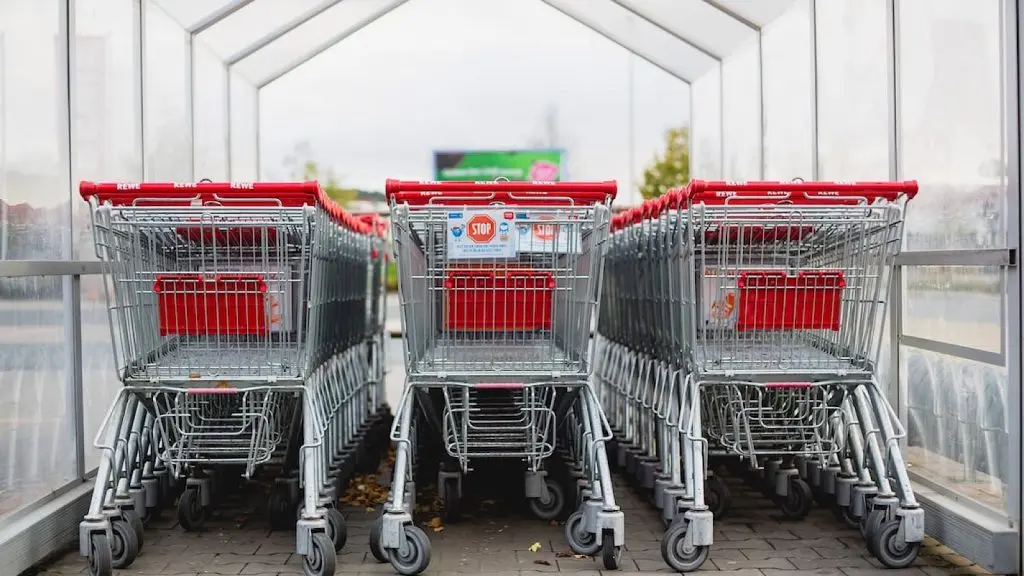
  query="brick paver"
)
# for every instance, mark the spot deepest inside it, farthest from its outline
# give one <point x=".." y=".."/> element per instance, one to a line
<point x="498" y="536"/>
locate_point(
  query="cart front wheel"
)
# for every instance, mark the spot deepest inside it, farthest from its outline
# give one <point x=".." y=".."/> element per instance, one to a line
<point x="717" y="496"/>
<point x="610" y="553"/>
<point x="337" y="528"/>
<point x="677" y="554"/>
<point x="321" y="559"/>
<point x="553" y="506"/>
<point x="124" y="548"/>
<point x="101" y="561"/>
<point x="797" y="504"/>
<point x="892" y="551"/>
<point x="413" y="557"/>
<point x="581" y="541"/>
<point x="191" y="513"/>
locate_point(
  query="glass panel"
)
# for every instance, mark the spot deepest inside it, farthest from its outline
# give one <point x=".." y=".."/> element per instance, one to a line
<point x="788" y="99"/>
<point x="853" y="116"/>
<point x="957" y="423"/>
<point x="256" y="20"/>
<point x="210" y="106"/>
<point x="706" y="140"/>
<point x="952" y="123"/>
<point x="107" y="108"/>
<point x="188" y="13"/>
<point x="741" y="115"/>
<point x="244" y="129"/>
<point x="35" y="434"/>
<point x="99" y="375"/>
<point x="167" y="95"/>
<point x="34" y="192"/>
<point x="644" y="38"/>
<point x="698" y="22"/>
<point x="954" y="304"/>
<point x="317" y="34"/>
<point x="759" y="12"/>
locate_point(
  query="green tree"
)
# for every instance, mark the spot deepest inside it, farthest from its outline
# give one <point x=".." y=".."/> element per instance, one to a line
<point x="302" y="167"/>
<point x="671" y="168"/>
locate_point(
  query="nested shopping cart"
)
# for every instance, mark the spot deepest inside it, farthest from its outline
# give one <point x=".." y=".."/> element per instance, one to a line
<point x="498" y="284"/>
<point x="771" y="298"/>
<point x="239" y="318"/>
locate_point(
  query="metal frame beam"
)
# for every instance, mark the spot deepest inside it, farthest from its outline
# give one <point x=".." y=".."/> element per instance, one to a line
<point x="614" y="38"/>
<point x="216" y="16"/>
<point x="331" y="42"/>
<point x="717" y="5"/>
<point x="270" y="38"/>
<point x="643" y="15"/>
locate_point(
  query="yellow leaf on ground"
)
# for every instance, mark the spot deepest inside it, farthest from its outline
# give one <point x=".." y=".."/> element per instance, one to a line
<point x="535" y="547"/>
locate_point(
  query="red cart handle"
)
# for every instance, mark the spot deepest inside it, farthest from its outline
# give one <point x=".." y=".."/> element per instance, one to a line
<point x="802" y="193"/>
<point x="256" y="194"/>
<point x="419" y="193"/>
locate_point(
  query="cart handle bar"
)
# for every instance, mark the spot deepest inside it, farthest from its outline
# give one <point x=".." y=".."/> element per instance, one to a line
<point x="420" y="193"/>
<point x="238" y="194"/>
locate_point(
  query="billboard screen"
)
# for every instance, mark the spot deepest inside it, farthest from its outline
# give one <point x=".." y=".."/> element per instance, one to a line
<point x="515" y="165"/>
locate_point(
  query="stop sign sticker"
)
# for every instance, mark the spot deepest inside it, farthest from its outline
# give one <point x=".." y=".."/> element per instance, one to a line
<point x="481" y="228"/>
<point x="481" y="233"/>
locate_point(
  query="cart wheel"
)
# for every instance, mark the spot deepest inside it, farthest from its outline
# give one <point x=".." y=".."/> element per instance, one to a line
<point x="553" y="508"/>
<point x="871" y="525"/>
<point x="414" y="556"/>
<point x="135" y="521"/>
<point x="101" y="561"/>
<point x="610" y="553"/>
<point x="889" y="550"/>
<point x="124" y="547"/>
<point x="322" y="559"/>
<point x="280" y="509"/>
<point x="797" y="504"/>
<point x="677" y="554"/>
<point x="191" y="514"/>
<point x="337" y="528"/>
<point x="717" y="496"/>
<point x="822" y="498"/>
<point x="581" y="541"/>
<point x="845" y="513"/>
<point x="450" y="501"/>
<point x="375" y="549"/>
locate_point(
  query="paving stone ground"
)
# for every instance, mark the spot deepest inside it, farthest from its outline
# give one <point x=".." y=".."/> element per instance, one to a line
<point x="496" y="536"/>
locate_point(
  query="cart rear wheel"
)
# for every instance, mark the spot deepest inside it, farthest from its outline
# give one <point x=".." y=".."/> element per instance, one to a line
<point x="378" y="553"/>
<point x="337" y="528"/>
<point x="124" y="547"/>
<point x="322" y="559"/>
<point x="581" y="541"/>
<point x="414" y="557"/>
<point x="191" y="513"/>
<point x="280" y="509"/>
<point x="610" y="553"/>
<point x="717" y="496"/>
<point x="555" y="504"/>
<point x="677" y="554"/>
<point x="450" y="501"/>
<point x="101" y="562"/>
<point x="135" y="521"/>
<point x="797" y="504"/>
<point x="890" y="550"/>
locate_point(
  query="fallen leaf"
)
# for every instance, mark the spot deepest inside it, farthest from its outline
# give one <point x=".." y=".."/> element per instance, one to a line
<point x="435" y="524"/>
<point x="579" y="557"/>
<point x="542" y="562"/>
<point x="371" y="509"/>
<point x="535" y="547"/>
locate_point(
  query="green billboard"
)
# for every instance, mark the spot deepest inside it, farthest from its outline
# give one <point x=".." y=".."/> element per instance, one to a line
<point x="515" y="165"/>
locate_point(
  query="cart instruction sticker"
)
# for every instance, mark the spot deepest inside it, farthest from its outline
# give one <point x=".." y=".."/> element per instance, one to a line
<point x="481" y="234"/>
<point x="561" y="236"/>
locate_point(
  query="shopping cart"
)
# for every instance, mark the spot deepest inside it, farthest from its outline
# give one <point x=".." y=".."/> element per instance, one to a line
<point x="241" y="325"/>
<point x="498" y="284"/>
<point x="743" y="320"/>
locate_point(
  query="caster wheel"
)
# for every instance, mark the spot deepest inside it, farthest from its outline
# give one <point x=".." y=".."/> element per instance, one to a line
<point x="450" y="502"/>
<point x="337" y="528"/>
<point x="279" y="509"/>
<point x="581" y="541"/>
<point x="890" y="550"/>
<point x="101" y="561"/>
<point x="322" y="559"/>
<point x="717" y="496"/>
<point x="191" y="514"/>
<point x="679" y="556"/>
<point x="375" y="549"/>
<point x="822" y="498"/>
<point x="135" y="521"/>
<point x="845" y="514"/>
<point x="154" y="513"/>
<point x="555" y="504"/>
<point x="870" y="526"/>
<point x="124" y="548"/>
<point x="610" y="553"/>
<point x="414" y="557"/>
<point x="797" y="504"/>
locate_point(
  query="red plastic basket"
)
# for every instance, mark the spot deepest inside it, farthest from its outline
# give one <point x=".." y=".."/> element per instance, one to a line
<point x="484" y="300"/>
<point x="225" y="305"/>
<point x="774" y="300"/>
